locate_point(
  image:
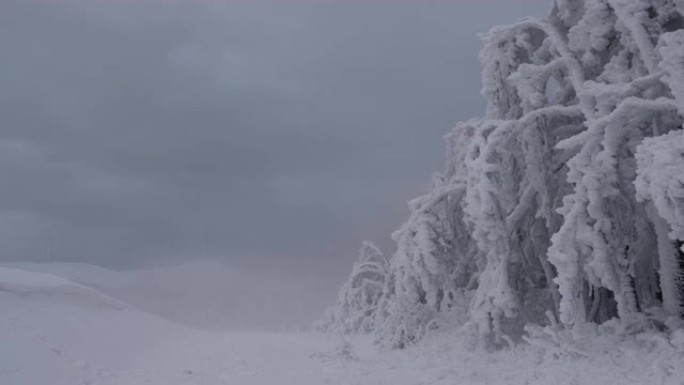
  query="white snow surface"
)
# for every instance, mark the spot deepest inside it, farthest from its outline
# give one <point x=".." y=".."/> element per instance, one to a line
<point x="58" y="332"/>
<point x="201" y="294"/>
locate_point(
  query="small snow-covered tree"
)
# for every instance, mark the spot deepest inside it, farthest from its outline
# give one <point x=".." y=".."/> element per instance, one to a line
<point x="432" y="269"/>
<point x="358" y="298"/>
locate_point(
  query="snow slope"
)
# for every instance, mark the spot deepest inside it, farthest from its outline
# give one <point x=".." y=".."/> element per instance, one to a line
<point x="54" y="331"/>
<point x="58" y="332"/>
<point x="202" y="294"/>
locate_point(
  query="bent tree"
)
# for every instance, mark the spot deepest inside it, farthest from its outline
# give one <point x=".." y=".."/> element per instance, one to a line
<point x="354" y="311"/>
<point x="537" y="214"/>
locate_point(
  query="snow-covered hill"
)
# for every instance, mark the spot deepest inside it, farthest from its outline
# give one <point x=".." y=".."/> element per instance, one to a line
<point x="55" y="331"/>
<point x="203" y="294"/>
<point x="58" y="332"/>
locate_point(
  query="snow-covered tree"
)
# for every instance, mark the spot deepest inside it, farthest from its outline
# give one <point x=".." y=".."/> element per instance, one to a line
<point x="536" y="214"/>
<point x="358" y="298"/>
<point x="432" y="269"/>
<point x="660" y="182"/>
<point x="604" y="249"/>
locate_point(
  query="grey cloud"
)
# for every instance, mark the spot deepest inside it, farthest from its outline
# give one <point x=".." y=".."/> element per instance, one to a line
<point x="266" y="134"/>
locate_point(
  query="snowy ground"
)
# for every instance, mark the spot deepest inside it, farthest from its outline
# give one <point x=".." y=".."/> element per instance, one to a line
<point x="57" y="332"/>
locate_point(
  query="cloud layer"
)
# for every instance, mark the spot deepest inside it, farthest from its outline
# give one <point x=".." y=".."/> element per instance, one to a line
<point x="270" y="135"/>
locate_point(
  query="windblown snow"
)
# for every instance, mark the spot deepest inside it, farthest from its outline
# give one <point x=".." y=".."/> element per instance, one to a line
<point x="55" y="331"/>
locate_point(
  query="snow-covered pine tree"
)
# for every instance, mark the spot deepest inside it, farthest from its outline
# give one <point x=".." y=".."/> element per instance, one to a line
<point x="536" y="213"/>
<point x="358" y="298"/>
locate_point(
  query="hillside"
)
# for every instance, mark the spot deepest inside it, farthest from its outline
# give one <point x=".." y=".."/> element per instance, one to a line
<point x="201" y="294"/>
<point x="58" y="332"/>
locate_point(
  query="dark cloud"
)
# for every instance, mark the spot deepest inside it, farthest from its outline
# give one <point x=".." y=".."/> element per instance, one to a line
<point x="266" y="134"/>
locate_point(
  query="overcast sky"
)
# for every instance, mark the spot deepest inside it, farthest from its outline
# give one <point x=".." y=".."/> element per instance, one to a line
<point x="266" y="134"/>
